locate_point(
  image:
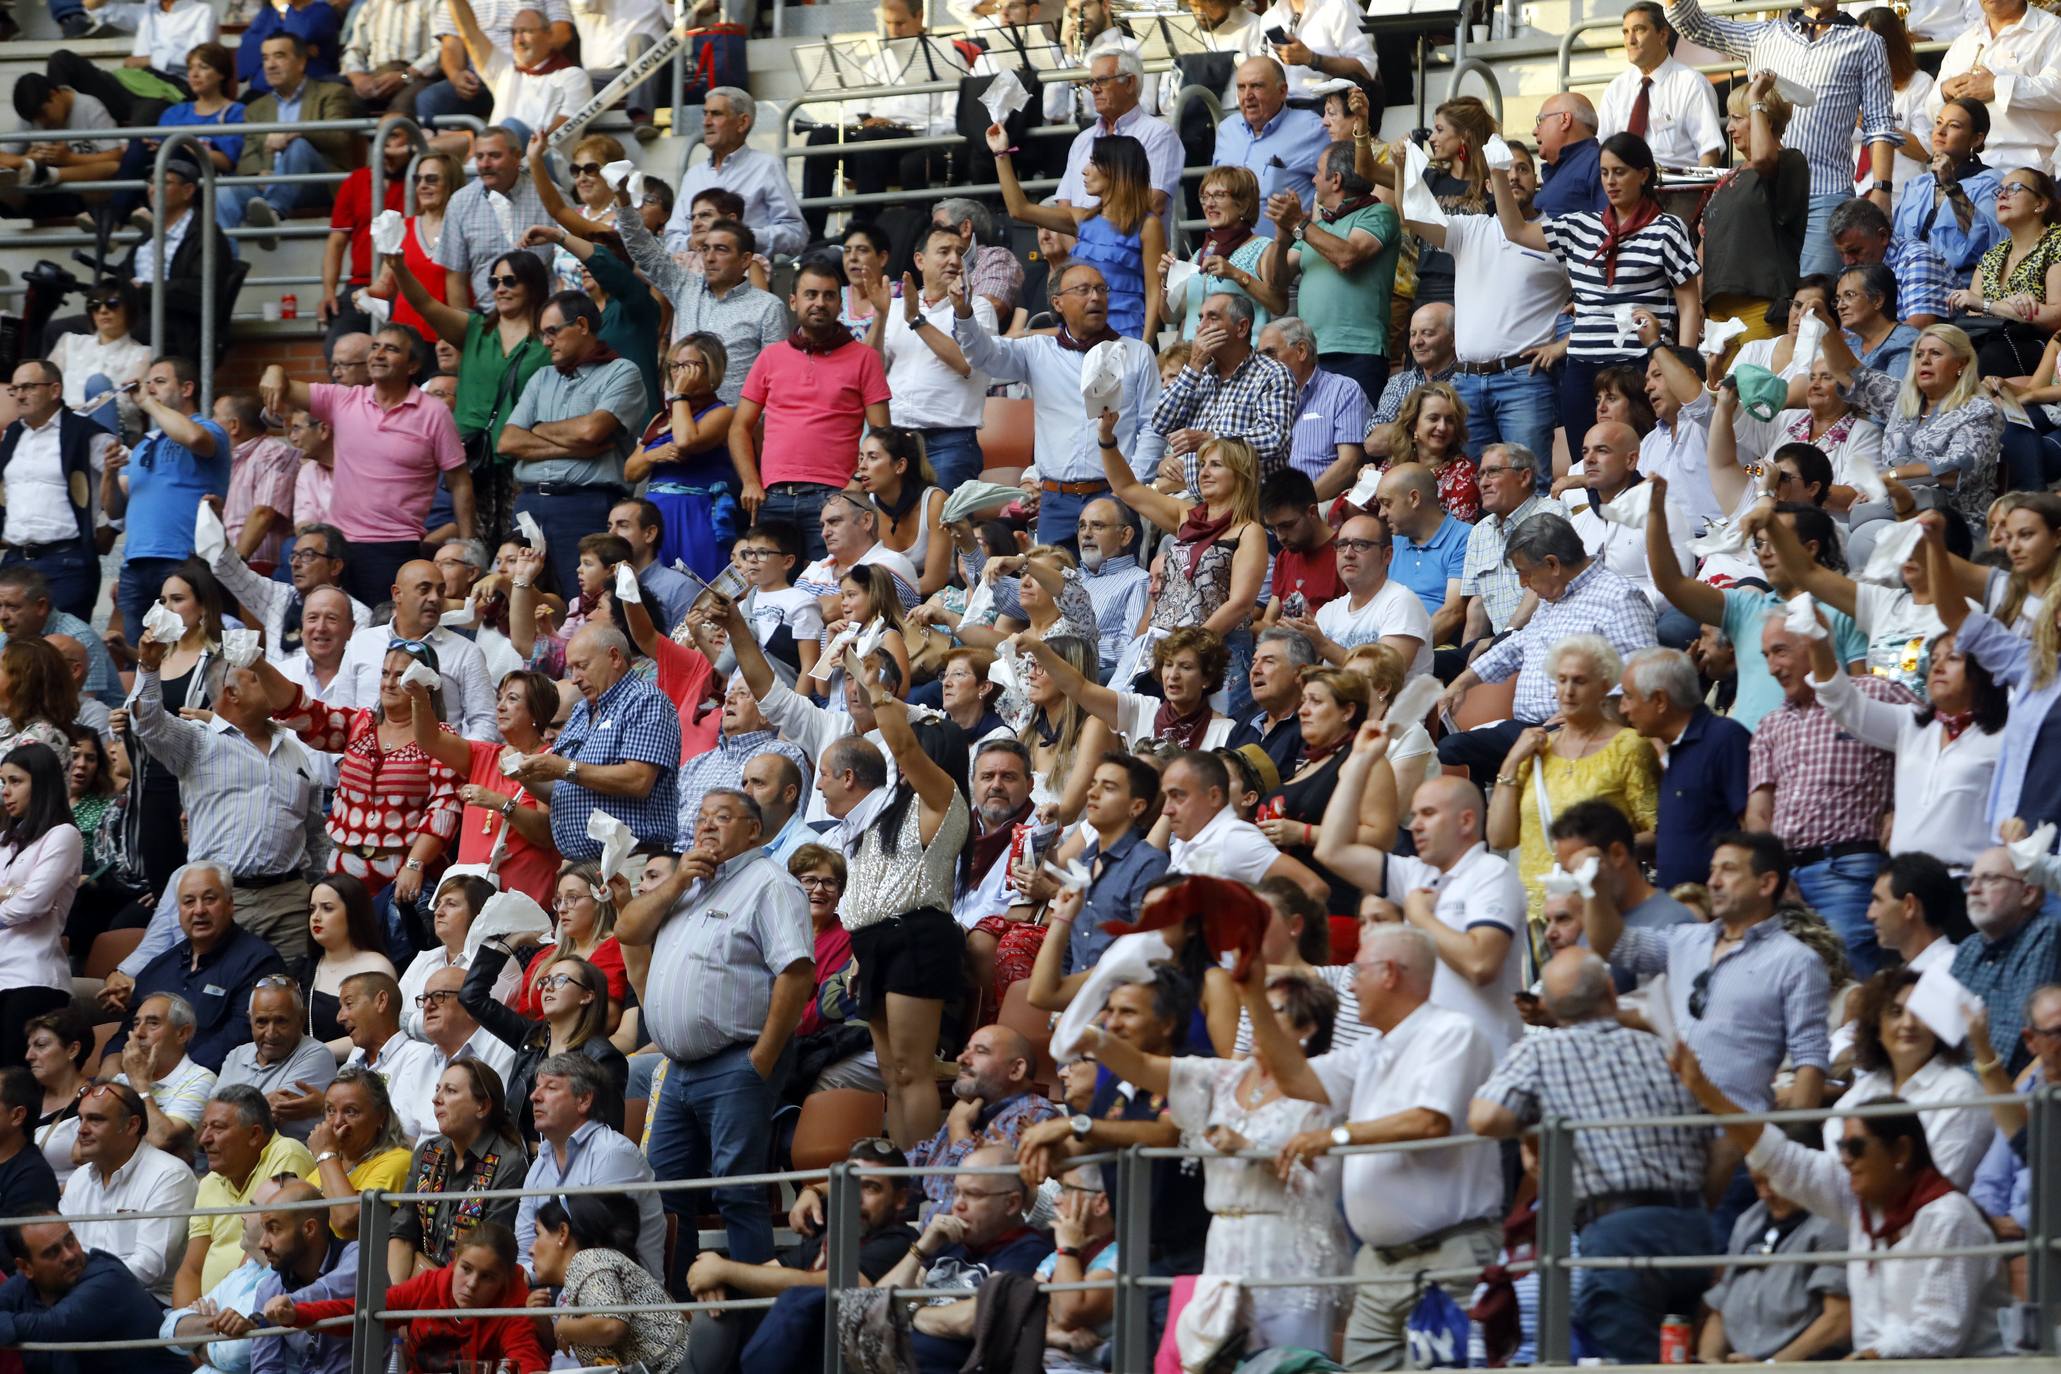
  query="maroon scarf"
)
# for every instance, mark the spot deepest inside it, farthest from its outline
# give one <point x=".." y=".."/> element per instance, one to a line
<point x="602" y="355"/>
<point x="1198" y="532"/>
<point x="1349" y="205"/>
<point x="1954" y="724"/>
<point x="556" y="62"/>
<point x="989" y="845"/>
<point x="1185" y="731"/>
<point x="1926" y="1188"/>
<point x="1617" y="233"/>
<point x="837" y="339"/>
<point x="1072" y="345"/>
<point x="1224" y="242"/>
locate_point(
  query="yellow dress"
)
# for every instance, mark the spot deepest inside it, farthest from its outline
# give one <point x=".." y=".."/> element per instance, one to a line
<point x="1625" y="772"/>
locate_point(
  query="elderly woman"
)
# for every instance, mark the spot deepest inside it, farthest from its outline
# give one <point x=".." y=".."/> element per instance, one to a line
<point x="1228" y="260"/>
<point x="1778" y="354"/>
<point x="1897" y="1055"/>
<point x="1591" y="757"/>
<point x="2018" y="282"/>
<point x="1884" y="1185"/>
<point x="1865" y="298"/>
<point x="1754" y="220"/>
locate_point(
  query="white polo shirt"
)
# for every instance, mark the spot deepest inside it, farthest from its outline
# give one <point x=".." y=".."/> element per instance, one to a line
<point x="1393" y="610"/>
<point x="1479" y="890"/>
<point x="152" y="1181"/>
<point x="1505" y="296"/>
<point x="1228" y="848"/>
<point x="1434" y="1060"/>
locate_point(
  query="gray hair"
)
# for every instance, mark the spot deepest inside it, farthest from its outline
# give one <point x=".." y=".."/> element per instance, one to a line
<point x="1005" y="744"/>
<point x="741" y="103"/>
<point x="291" y="987"/>
<point x="608" y="637"/>
<point x="251" y="1107"/>
<point x="1295" y="331"/>
<point x="581" y="1074"/>
<point x="746" y="799"/>
<point x="960" y="210"/>
<point x="178" y="1011"/>
<point x="1585" y="996"/>
<point x="219" y="869"/>
<point x="857" y="755"/>
<point x="1128" y="63"/>
<point x="1666" y="672"/>
<point x="390" y="1137"/>
<point x="1856" y="213"/>
<point x="1542" y="536"/>
<point x="473" y="551"/>
<point x="1237" y="306"/>
<point x="1518" y="458"/>
<point x="1595" y="648"/>
<point x="1301" y="652"/>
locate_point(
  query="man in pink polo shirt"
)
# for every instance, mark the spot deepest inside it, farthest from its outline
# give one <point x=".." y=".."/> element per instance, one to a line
<point x="391" y="443"/>
<point x="814" y="389"/>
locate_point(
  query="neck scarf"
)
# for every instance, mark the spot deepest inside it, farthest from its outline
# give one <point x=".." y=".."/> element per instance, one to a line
<point x="1224" y="242"/>
<point x="440" y="1160"/>
<point x="837" y="338"/>
<point x="1345" y="207"/>
<point x="1954" y="724"/>
<point x="1927" y="1187"/>
<point x="988" y="845"/>
<point x="1081" y="345"/>
<point x="1313" y="754"/>
<point x="1617" y="233"/>
<point x="1185" y="731"/>
<point x="1198" y="532"/>
<point x="556" y="62"/>
<point x="910" y="497"/>
<point x="604" y="354"/>
<point x="1496" y="1309"/>
<point x="1041" y="725"/>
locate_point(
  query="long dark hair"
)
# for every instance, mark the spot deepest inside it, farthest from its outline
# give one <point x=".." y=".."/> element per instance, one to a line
<point x="50" y="802"/>
<point x="527" y="269"/>
<point x="1635" y="153"/>
<point x="208" y="592"/>
<point x="1127" y="199"/>
<point x="357" y="904"/>
<point x="1888" y="25"/>
<point x="945" y="742"/>
<point x="606" y="1221"/>
<point x="101" y="784"/>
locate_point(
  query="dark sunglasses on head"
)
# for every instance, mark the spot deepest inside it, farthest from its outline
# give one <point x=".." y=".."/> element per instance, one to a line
<point x="511" y="281"/>
<point x="591" y="169"/>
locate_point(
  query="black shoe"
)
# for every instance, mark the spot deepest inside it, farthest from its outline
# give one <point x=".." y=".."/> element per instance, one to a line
<point x="76" y="25"/>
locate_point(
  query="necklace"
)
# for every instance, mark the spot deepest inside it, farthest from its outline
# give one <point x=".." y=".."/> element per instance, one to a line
<point x="1257" y="1094"/>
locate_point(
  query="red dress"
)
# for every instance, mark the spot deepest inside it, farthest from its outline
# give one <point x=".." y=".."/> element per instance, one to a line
<point x="429" y="272"/>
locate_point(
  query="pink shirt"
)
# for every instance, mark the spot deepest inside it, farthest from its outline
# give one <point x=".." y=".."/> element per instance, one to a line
<point x="262" y="474"/>
<point x="312" y="489"/>
<point x="387" y="461"/>
<point x="812" y="428"/>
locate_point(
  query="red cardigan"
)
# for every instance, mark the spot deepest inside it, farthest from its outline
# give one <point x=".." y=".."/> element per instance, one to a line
<point x="477" y="1338"/>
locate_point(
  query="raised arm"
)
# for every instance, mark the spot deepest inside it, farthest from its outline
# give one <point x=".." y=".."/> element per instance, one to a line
<point x="1060" y="219"/>
<point x="449" y="321"/>
<point x="1338" y="837"/>
<point x="1516" y="228"/>
<point x="1099" y="701"/>
<point x="1147" y="1071"/>
<point x="1728" y="481"/>
<point x="1274" y="1047"/>
<point x="1161" y="509"/>
<point x="934" y="786"/>
<point x="1699" y="599"/>
<point x="1832" y="588"/>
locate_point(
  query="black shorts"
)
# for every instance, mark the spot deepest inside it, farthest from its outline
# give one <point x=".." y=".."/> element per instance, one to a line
<point x="921" y="954"/>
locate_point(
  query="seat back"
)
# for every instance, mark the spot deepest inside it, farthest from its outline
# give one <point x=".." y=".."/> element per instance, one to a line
<point x="1486" y="704"/>
<point x="1008" y="432"/>
<point x="110" y="947"/>
<point x="832" y="1121"/>
<point x="1035" y="1025"/>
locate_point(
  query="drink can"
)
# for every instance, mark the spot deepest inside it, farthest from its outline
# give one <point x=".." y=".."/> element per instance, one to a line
<point x="1674" y="1340"/>
<point x="289" y="307"/>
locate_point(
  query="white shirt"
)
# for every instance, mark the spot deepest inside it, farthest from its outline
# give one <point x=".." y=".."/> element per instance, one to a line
<point x="1064" y="441"/>
<point x="1942" y="21"/>
<point x="181" y="1093"/>
<point x="606" y="26"/>
<point x="1328" y="28"/>
<point x="928" y="394"/>
<point x="1434" y="1060"/>
<point x="812" y="729"/>
<point x="1940" y="951"/>
<point x="535" y="101"/>
<point x="39" y="503"/>
<point x="1622" y="548"/>
<point x="166" y="36"/>
<point x="36" y="890"/>
<point x="415" y="979"/>
<point x="1957" y="1139"/>
<point x="79" y="356"/>
<point x="483" y="1045"/>
<point x="1505" y="296"/>
<point x="1479" y="890"/>
<point x="1862" y="445"/>
<point x="410" y="1068"/>
<point x="146" y="249"/>
<point x="1393" y="610"/>
<point x="1225" y="848"/>
<point x="912" y="62"/>
<point x="1137" y="715"/>
<point x="1681" y="112"/>
<point x="152" y="1181"/>
<point x="271" y="600"/>
<point x="1680" y="455"/>
<point x="2025" y="113"/>
<point x="468" y="694"/>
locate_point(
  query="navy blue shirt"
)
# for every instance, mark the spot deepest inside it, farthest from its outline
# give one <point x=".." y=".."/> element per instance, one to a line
<point x="1179" y="1218"/>
<point x="1573" y="183"/>
<point x="316" y="24"/>
<point x="107" y="1304"/>
<point x="1283" y="742"/>
<point x="219" y="991"/>
<point x="1702" y="795"/>
<point x="1019" y="1252"/>
<point x="1121" y="874"/>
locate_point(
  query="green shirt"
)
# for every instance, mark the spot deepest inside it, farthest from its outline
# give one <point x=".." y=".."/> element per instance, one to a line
<point x="1349" y="310"/>
<point x="483" y="405"/>
<point x="629" y="323"/>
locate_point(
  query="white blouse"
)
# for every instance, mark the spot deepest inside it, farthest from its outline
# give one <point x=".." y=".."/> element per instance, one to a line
<point x="1957" y="1139"/>
<point x="37" y="885"/>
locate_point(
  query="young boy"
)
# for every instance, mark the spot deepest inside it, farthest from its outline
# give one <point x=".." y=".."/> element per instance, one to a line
<point x="786" y="619"/>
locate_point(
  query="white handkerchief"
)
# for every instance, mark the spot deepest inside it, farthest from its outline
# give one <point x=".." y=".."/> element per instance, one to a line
<point x="209" y="538"/>
<point x="626" y="588"/>
<point x="616" y="840"/>
<point x="1629" y="507"/>
<point x="1362" y="494"/>
<point x="240" y="647"/>
<point x="1625" y="320"/>
<point x="1795" y="92"/>
<point x="1718" y="333"/>
<point x="1102" y="378"/>
<point x="379" y="311"/>
<point x="1004" y="96"/>
<point x="527" y="523"/>
<point x="506" y="913"/>
<point x="1559" y="882"/>
<point x="1942" y="1004"/>
<point x="2032" y="847"/>
<point x="162" y="624"/>
<point x="1497" y="154"/>
<point x="980" y="604"/>
<point x="1003" y="672"/>
<point x="1720" y="537"/>
<point x="1418" y="202"/>
<point x="1801" y="616"/>
<point x="1891" y="552"/>
<point x="504" y="213"/>
<point x="1319" y="89"/>
<point x="1412" y="704"/>
<point x="512" y="762"/>
<point x="869" y="638"/>
<point x="389" y="232"/>
<point x="423" y="676"/>
<point x="464" y="615"/>
<point x="1179" y="272"/>
<point x="1864" y="477"/>
<point x="1072" y="878"/>
<point x="624" y="176"/>
<point x="1810" y="337"/>
<point x="1660" y="1012"/>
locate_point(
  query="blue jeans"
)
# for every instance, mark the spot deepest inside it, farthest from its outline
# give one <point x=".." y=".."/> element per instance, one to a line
<point x="72" y="572"/>
<point x="1514" y="407"/>
<point x="1238" y="672"/>
<point x="300" y="156"/>
<point x="2032" y="457"/>
<point x="1578" y="398"/>
<point x="799" y="504"/>
<point x="954" y="455"/>
<point x="441" y="98"/>
<point x="710" y="1122"/>
<point x="567" y="517"/>
<point x="1621" y="1309"/>
<point x="141" y="581"/>
<point x="1839" y="890"/>
<point x="1059" y="517"/>
<point x="1819" y="255"/>
<point x="395" y="925"/>
<point x="1370" y="370"/>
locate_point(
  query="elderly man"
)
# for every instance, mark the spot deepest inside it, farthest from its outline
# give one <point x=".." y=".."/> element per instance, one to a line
<point x="254" y="797"/>
<point x="350" y="360"/>
<point x="390" y="52"/>
<point x="1345" y="256"/>
<point x="213" y="968"/>
<point x="1566" y="130"/>
<point x="576" y="1149"/>
<point x="1577" y="595"/>
<point x="285" y="1063"/>
<point x="183" y="460"/>
<point x="1001" y="798"/>
<point x="619" y="752"/>
<point x="1431" y="360"/>
<point x="1119" y="589"/>
<point x="1668" y="103"/>
<point x="1116" y="83"/>
<point x="1330" y="409"/>
<point x="936" y="392"/>
<point x="49" y="526"/>
<point x="1433" y="545"/>
<point x="293" y="97"/>
<point x="474" y="237"/>
<point x="462" y="91"/>
<point x="449" y="1030"/>
<point x="417" y="594"/>
<point x="369" y="1008"/>
<point x="244" y="1153"/>
<point x="1703" y="761"/>
<point x="93" y="714"/>
<point x="155" y="1063"/>
<point x="308" y="1263"/>
<point x="1066" y="470"/>
<point x="26" y="611"/>
<point x="1208" y="835"/>
<point x="717" y="299"/>
<point x="1413" y="1081"/>
<point x="1278" y="657"/>
<point x="324" y="631"/>
<point x="571" y="430"/>
<point x="120" y="1171"/>
<point x="2008" y="60"/>
<point x="1276" y="142"/>
<point x="1375" y="608"/>
<point x="1611" y="466"/>
<point x="745" y="735"/>
<point x="732" y="968"/>
<point x="1640" y="1193"/>
<point x="1510" y="495"/>
<point x="60" y="1292"/>
<point x="393" y="444"/>
<point x="1860" y="232"/>
<point x="1227" y="390"/>
<point x="760" y="179"/>
<point x="2002" y="1186"/>
<point x="2015" y="949"/>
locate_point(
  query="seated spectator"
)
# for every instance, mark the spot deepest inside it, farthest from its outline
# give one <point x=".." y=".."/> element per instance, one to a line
<point x="101" y="359"/>
<point x="1862" y="233"/>
<point x="576" y="1149"/>
<point x="358" y="1145"/>
<point x="1430" y="430"/>
<point x="282" y="1061"/>
<point x="1778" y="1312"/>
<point x="244" y="1153"/>
<point x="584" y="1248"/>
<point x="390" y="52"/>
<point x="1610" y="467"/>
<point x="222" y="1309"/>
<point x="2013" y="950"/>
<point x="1305" y="571"/>
<point x="346" y="942"/>
<point x="571" y="998"/>
<point x="1988" y="59"/>
<point x="317" y="26"/>
<point x="68" y="1290"/>
<point x="2018" y="281"/>
<point x="120" y="1171"/>
<point x="1429" y="547"/>
<point x="1951" y="207"/>
<point x="179" y="276"/>
<point x="27" y="612"/>
<point x="1373" y="607"/>
<point x="291" y="93"/>
<point x="1867" y="305"/>
<point x="213" y="970"/>
<point x="1897" y="1055"/>
<point x="474" y="1149"/>
<point x="1431" y="360"/>
<point x="45" y="105"/>
<point x="2003" y="1181"/>
<point x="27" y="1183"/>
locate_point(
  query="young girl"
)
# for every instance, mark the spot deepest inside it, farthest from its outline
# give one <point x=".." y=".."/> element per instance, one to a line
<point x="483" y="1274"/>
<point x="1119" y="234"/>
<point x="865" y="594"/>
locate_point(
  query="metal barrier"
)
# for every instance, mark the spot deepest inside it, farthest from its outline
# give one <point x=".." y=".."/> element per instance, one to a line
<point x="1613" y="21"/>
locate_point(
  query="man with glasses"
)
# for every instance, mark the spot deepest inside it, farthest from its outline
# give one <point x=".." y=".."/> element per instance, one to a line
<point x="453" y="1034"/>
<point x="2002" y="1186"/>
<point x="183" y="460"/>
<point x="2016" y="948"/>
<point x="53" y="459"/>
<point x="417" y="594"/>
<point x="1565" y="130"/>
<point x="350" y="357"/>
<point x="745" y="734"/>
<point x="1510" y="495"/>
<point x="315" y="563"/>
<point x="285" y="1063"/>
<point x="1116" y="86"/>
<point x="1119" y="589"/>
<point x="1325" y="443"/>
<point x="350" y="229"/>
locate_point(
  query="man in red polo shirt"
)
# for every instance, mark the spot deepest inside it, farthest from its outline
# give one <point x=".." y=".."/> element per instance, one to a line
<point x="1307" y="566"/>
<point x="350" y="228"/>
<point x="814" y="391"/>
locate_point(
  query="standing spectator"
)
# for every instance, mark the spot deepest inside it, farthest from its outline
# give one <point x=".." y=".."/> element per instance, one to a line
<point x="1704" y="770"/>
<point x="1861" y="232"/>
<point x="1346" y="256"/>
<point x="1566" y="130"/>
<point x="771" y="211"/>
<point x="1227" y="390"/>
<point x="282" y="1061"/>
<point x="1434" y="543"/>
<point x="120" y="1171"/>
<point x="1756" y="216"/>
<point x="991" y="271"/>
<point x="1919" y="910"/>
<point x="49" y="529"/>
<point x="416" y="595"/>
<point x="1431" y="360"/>
<point x="1665" y="102"/>
<point x="935" y="391"/>
<point x="291" y="93"/>
<point x="1847" y="67"/>
<point x="1118" y="234"/>
<point x="1228" y="257"/>
<point x="40" y="858"/>
<point x="1510" y="495"/>
<point x="1639" y="1192"/>
<point x="2007" y="58"/>
<point x="475" y="239"/>
<point x="65" y="1290"/>
<point x="1276" y="142"/>
<point x="813" y="391"/>
<point x="733" y="967"/>
<point x="2015" y="950"/>
<point x="350" y="230"/>
<point x="181" y="461"/>
<point x="258" y="516"/>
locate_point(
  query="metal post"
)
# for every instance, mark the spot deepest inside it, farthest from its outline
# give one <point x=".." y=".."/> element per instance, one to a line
<point x="420" y="143"/>
<point x="1555" y="1242"/>
<point x="368" y="1335"/>
<point x="840" y="1256"/>
<point x="2043" y="1155"/>
<point x="210" y="271"/>
<point x="1133" y="1324"/>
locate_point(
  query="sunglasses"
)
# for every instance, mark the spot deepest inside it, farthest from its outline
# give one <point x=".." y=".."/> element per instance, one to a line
<point x="1853" y="1147"/>
<point x="588" y="169"/>
<point x="103" y="303"/>
<point x="508" y="283"/>
<point x="1699" y="994"/>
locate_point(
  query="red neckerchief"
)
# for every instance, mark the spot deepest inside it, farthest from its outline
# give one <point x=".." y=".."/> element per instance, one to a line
<point x="1345" y="207"/>
<point x="1496" y="1309"/>
<point x="989" y="844"/>
<point x="604" y="354"/>
<point x="1312" y="754"/>
<point x="1185" y="731"/>
<point x="1224" y="242"/>
<point x="1927" y="1187"/>
<point x="838" y="338"/>
<point x="1954" y="724"/>
<point x="1072" y="345"/>
<point x="1616" y="232"/>
<point x="556" y="62"/>
<point x="1198" y="531"/>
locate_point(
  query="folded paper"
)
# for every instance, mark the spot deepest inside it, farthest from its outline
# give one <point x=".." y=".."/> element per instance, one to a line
<point x="1362" y="494"/>
<point x="1004" y="96"/>
<point x="1720" y="537"/>
<point x="240" y="647"/>
<point x="504" y="213"/>
<point x="2024" y="853"/>
<point x="532" y="533"/>
<point x="1939" y="1000"/>
<point x="423" y="676"/>
<point x="626" y="588"/>
<point x="512" y="762"/>
<point x="505" y="914"/>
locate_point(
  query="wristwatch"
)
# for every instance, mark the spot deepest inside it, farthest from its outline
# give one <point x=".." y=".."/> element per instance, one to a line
<point x="325" y="1157"/>
<point x="413" y="865"/>
<point x="572" y="770"/>
<point x="1341" y="1136"/>
<point x="508" y="806"/>
<point x="1081" y="1124"/>
<point x="1883" y="185"/>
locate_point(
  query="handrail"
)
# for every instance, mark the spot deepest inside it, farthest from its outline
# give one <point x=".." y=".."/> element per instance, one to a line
<point x="204" y="208"/>
<point x="1463" y="67"/>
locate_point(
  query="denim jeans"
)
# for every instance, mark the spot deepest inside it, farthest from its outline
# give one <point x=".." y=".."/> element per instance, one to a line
<point x="800" y="504"/>
<point x="567" y="517"/>
<point x="710" y="1122"/>
<point x="1819" y="254"/>
<point x="1839" y="890"/>
<point x="1370" y="370"/>
<point x="441" y="98"/>
<point x="72" y="572"/>
<point x="1238" y="672"/>
<point x="954" y="455"/>
<point x="1514" y="407"/>
<point x="1621" y="1309"/>
<point x="1059" y="517"/>
<point x="1577" y="388"/>
<point x="231" y="202"/>
<point x="141" y="581"/>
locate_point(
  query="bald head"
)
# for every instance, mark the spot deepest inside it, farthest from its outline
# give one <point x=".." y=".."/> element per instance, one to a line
<point x="1408" y="500"/>
<point x="72" y="652"/>
<point x="418" y="598"/>
<point x="1565" y="118"/>
<point x="1576" y="987"/>
<point x="1262" y="87"/>
<point x="1431" y="337"/>
<point x="1610" y="456"/>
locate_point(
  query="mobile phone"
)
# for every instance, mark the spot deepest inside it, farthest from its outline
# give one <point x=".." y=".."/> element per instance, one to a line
<point x="1279" y="36"/>
<point x="1294" y="605"/>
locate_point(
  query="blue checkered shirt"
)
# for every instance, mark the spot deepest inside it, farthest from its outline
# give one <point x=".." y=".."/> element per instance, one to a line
<point x="1922" y="278"/>
<point x="1255" y="403"/>
<point x="632" y="722"/>
<point x="1120" y="591"/>
<point x="2003" y="973"/>
<point x="723" y="766"/>
<point x="1399" y="388"/>
<point x="1596" y="602"/>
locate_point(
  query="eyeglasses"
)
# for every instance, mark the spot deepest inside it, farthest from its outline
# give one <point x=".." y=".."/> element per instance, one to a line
<point x="1360" y="545"/>
<point x="1699" y="994"/>
<point x="305" y="555"/>
<point x="430" y="999"/>
<point x="2011" y="188"/>
<point x="558" y="980"/>
<point x="820" y="884"/>
<point x="964" y="1191"/>
<point x="1085" y="289"/>
<point x="19" y="387"/>
<point x="1853" y="1146"/>
<point x="2042" y="1032"/>
<point x="753" y="555"/>
<point x="1099" y="83"/>
<point x="1991" y="879"/>
<point x="507" y="283"/>
<point x="590" y="169"/>
<point x="568" y="903"/>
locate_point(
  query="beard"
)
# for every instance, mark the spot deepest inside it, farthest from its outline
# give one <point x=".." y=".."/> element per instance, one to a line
<point x="1092" y="558"/>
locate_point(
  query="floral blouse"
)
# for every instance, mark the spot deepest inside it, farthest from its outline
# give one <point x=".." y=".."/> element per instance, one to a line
<point x="1459" y="495"/>
<point x="1964" y="440"/>
<point x="2029" y="277"/>
<point x="383" y="799"/>
<point x="596" y="1277"/>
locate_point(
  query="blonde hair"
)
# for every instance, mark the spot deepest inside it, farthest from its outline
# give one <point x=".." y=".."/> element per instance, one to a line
<point x="1239" y="457"/>
<point x="1404" y="449"/>
<point x="1772" y="105"/>
<point x="1083" y="656"/>
<point x="1596" y="649"/>
<point x="1910" y="403"/>
<point x="1349" y="689"/>
<point x="1382" y="666"/>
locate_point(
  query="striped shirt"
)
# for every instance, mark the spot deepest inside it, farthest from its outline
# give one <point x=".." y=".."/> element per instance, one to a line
<point x="383" y="800"/>
<point x="1120" y="590"/>
<point x="723" y="766"/>
<point x="473" y="238"/>
<point x="745" y="318"/>
<point x="1255" y="403"/>
<point x="1597" y="601"/>
<point x="1922" y="277"/>
<point x="384" y="31"/>
<point x="1650" y="265"/>
<point x="1846" y="66"/>
<point x="717" y="953"/>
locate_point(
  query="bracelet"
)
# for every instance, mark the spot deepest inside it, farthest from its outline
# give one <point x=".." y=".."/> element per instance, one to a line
<point x="1505" y="780"/>
<point x="519" y="582"/>
<point x="1987" y="1066"/>
<point x="1066" y="1252"/>
<point x="1105" y="443"/>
